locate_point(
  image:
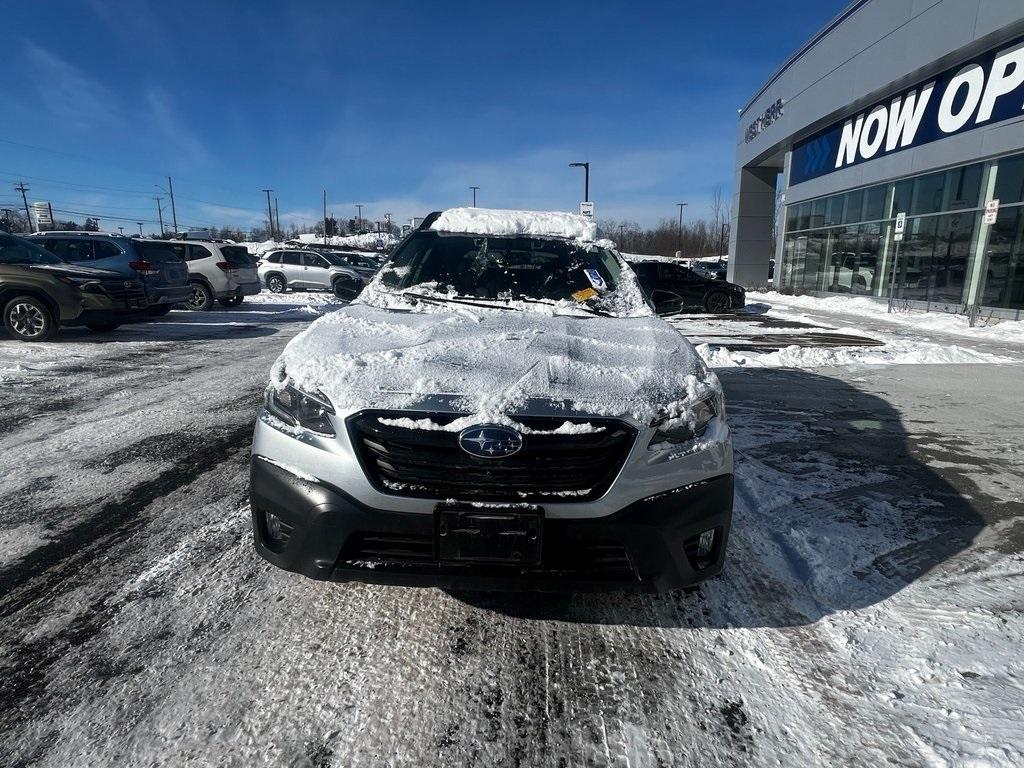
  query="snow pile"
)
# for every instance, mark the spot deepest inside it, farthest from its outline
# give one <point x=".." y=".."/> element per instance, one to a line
<point x="490" y="221"/>
<point x="642" y="257"/>
<point x="934" y="322"/>
<point x="895" y="352"/>
<point x="369" y="242"/>
<point x="492" y="362"/>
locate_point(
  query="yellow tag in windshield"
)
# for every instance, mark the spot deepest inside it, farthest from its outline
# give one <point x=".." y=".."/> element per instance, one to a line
<point x="585" y="295"/>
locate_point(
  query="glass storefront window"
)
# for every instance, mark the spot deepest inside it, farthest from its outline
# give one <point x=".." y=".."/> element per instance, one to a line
<point x="844" y="243"/>
<point x="874" y="203"/>
<point x="1004" y="278"/>
<point x="928" y="192"/>
<point x="853" y="211"/>
<point x="1010" y="181"/>
<point x="963" y="187"/>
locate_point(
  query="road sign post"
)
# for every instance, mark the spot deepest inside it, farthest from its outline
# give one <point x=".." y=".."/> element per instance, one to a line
<point x="900" y="229"/>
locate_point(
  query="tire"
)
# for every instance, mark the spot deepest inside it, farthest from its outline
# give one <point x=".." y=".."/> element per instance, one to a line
<point x="27" y="318"/>
<point x="346" y="288"/>
<point x="102" y="327"/>
<point x="160" y="310"/>
<point x="231" y="301"/>
<point x="717" y="303"/>
<point x="276" y="284"/>
<point x="201" y="299"/>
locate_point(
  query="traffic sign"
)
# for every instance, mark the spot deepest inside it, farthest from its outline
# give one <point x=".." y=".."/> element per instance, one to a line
<point x="901" y="226"/>
<point x="991" y="211"/>
<point x="587" y="209"/>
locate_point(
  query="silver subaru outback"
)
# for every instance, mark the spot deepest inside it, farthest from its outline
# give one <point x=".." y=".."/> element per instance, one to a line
<point x="499" y="409"/>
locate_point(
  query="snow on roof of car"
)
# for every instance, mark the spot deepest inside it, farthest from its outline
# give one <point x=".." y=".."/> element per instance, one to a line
<point x="490" y="221"/>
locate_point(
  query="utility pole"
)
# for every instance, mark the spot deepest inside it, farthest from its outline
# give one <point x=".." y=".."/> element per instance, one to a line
<point x="277" y="213"/>
<point x="122" y="230"/>
<point x="21" y="187"/>
<point x="174" y="211"/>
<point x="325" y="217"/>
<point x="474" y="195"/>
<point x="160" y="214"/>
<point x="679" y="232"/>
<point x="359" y="217"/>
<point x="622" y="228"/>
<point x="586" y="179"/>
<point x="270" y="213"/>
<point x="140" y="228"/>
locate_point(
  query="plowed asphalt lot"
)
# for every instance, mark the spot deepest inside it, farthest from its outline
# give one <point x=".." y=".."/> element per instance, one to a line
<point x="870" y="611"/>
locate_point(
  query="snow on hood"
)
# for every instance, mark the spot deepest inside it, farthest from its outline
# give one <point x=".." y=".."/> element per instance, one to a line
<point x="491" y="221"/>
<point x="492" y="362"/>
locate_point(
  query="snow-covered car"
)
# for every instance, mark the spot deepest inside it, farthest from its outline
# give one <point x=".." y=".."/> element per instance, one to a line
<point x="499" y="409"/>
<point x="305" y="270"/>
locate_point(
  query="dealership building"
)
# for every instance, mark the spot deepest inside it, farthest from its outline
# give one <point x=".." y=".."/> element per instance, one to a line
<point x="912" y="107"/>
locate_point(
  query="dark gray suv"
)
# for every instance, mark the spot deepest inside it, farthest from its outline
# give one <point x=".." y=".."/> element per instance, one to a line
<point x="163" y="273"/>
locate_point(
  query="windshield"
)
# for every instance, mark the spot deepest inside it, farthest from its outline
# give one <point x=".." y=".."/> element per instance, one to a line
<point x="504" y="268"/>
<point x="334" y="259"/>
<point x="14" y="250"/>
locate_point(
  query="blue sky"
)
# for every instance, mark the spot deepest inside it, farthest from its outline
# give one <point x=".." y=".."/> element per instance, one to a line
<point x="399" y="106"/>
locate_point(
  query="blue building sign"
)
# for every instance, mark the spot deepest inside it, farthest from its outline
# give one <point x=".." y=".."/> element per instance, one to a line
<point x="985" y="90"/>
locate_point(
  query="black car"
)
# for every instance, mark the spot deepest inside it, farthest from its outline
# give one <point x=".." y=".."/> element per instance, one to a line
<point x="672" y="288"/>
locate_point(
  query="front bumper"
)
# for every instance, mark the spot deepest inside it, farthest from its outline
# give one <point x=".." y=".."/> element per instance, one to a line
<point x="647" y="546"/>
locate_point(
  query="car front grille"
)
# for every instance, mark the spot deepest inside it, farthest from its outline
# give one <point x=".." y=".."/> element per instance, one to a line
<point x="428" y="463"/>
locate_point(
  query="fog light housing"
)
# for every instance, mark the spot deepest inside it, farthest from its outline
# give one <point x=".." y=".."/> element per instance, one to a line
<point x="705" y="542"/>
<point x="278" y="531"/>
<point x="702" y="549"/>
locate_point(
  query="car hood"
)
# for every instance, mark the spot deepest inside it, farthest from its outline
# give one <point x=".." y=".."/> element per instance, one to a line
<point x="491" y="362"/>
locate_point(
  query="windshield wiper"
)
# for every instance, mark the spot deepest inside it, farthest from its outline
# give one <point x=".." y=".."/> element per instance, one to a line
<point x="453" y="300"/>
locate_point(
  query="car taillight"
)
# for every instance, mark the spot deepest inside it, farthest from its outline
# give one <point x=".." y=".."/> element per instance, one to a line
<point x="224" y="265"/>
<point x="144" y="267"/>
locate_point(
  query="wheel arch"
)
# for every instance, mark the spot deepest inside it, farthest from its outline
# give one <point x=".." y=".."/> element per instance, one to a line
<point x="8" y="292"/>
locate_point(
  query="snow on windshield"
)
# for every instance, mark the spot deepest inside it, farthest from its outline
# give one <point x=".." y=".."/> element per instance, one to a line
<point x="490" y="221"/>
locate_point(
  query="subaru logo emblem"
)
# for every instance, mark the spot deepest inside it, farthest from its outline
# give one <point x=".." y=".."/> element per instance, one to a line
<point x="490" y="441"/>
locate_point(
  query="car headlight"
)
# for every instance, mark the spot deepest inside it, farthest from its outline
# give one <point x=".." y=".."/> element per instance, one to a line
<point x="679" y="428"/>
<point x="298" y="408"/>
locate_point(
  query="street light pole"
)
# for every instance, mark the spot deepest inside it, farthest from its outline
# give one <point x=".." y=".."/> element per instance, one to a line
<point x="474" y="195"/>
<point x="140" y="227"/>
<point x="270" y="213"/>
<point x="359" y="217"/>
<point x="679" y="232"/>
<point x="174" y="211"/>
<point x="586" y="179"/>
<point x="160" y="214"/>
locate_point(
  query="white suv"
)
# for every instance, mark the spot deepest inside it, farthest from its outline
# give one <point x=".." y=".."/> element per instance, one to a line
<point x="305" y="270"/>
<point x="220" y="272"/>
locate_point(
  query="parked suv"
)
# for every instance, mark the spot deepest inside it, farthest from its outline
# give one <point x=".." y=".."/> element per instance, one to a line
<point x="362" y="264"/>
<point x="221" y="272"/>
<point x="303" y="270"/>
<point x="500" y="408"/>
<point x="672" y="288"/>
<point x="39" y="293"/>
<point x="163" y="275"/>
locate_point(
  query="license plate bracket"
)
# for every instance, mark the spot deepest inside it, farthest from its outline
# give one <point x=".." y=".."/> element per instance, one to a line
<point x="489" y="535"/>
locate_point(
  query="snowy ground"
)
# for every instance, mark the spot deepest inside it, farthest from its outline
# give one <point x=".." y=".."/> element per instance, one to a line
<point x="871" y="610"/>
